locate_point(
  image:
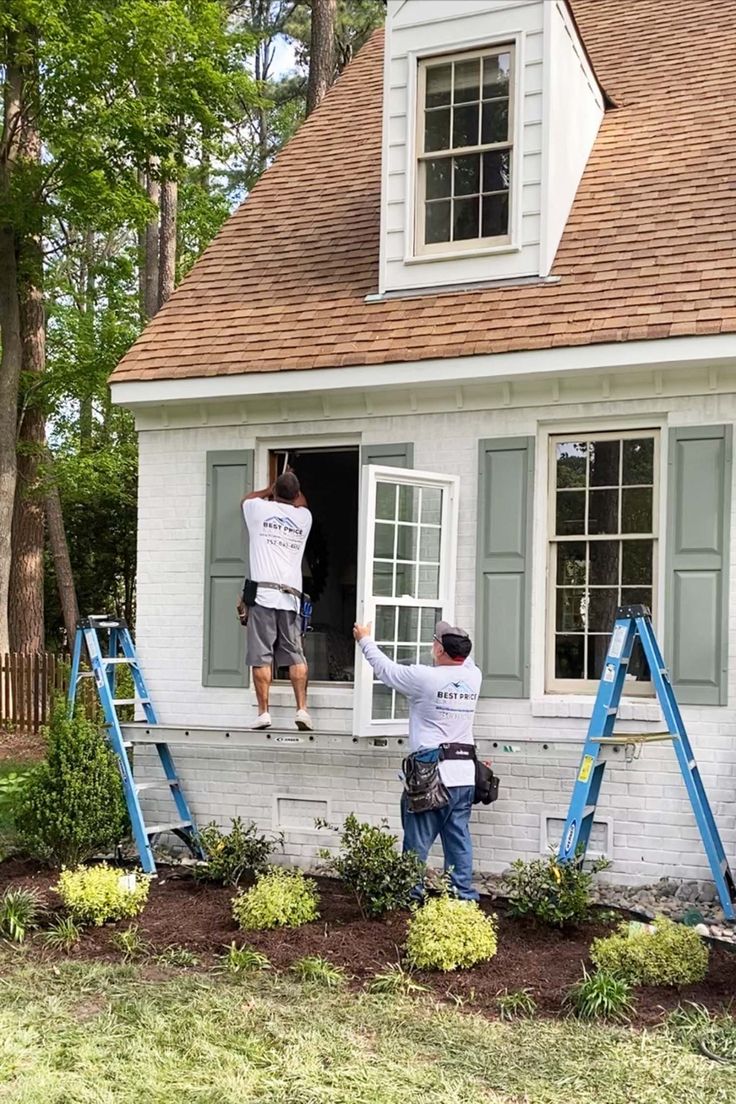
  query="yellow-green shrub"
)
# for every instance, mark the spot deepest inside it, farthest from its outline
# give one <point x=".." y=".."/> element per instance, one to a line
<point x="279" y="899"/>
<point x="670" y="954"/>
<point x="96" y="894"/>
<point x="447" y="933"/>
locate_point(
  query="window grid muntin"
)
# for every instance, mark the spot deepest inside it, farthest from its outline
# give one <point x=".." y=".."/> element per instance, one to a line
<point x="586" y="538"/>
<point x="453" y="152"/>
<point x="398" y="707"/>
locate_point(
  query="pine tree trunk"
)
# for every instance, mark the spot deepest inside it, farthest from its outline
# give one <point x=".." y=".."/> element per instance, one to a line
<point x="10" y="364"/>
<point x="151" y="295"/>
<point x="167" y="254"/>
<point x="62" y="561"/>
<point x="321" y="51"/>
<point x="26" y="604"/>
<point x="11" y="356"/>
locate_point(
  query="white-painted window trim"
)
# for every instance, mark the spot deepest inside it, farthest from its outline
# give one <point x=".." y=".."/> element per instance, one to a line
<point x="545" y="701"/>
<point x="514" y="42"/>
<point x="363" y="725"/>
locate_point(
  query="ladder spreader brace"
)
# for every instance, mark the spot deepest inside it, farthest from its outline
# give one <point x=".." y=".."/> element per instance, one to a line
<point x="103" y="668"/>
<point x="633" y="622"/>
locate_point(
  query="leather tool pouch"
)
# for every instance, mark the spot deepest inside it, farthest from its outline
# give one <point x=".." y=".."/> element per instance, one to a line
<point x="250" y="592"/>
<point x="486" y="784"/>
<point x="425" y="789"/>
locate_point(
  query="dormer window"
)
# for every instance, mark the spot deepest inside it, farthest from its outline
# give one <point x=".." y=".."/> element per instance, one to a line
<point x="465" y="128"/>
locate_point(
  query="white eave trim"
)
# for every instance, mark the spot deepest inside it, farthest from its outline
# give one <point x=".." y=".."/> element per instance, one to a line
<point x="709" y="350"/>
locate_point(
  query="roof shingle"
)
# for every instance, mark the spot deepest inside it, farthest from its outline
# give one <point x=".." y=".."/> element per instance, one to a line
<point x="648" y="252"/>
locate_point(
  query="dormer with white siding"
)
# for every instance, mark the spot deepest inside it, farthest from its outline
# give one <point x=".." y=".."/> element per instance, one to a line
<point x="491" y="109"/>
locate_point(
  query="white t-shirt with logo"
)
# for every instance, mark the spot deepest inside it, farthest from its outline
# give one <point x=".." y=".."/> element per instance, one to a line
<point x="278" y="536"/>
<point x="442" y="703"/>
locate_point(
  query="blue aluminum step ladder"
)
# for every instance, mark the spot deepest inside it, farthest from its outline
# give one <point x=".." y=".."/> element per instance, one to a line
<point x="103" y="668"/>
<point x="633" y="622"/>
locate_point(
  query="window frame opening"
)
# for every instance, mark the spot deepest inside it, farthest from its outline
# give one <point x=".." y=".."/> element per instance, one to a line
<point x="275" y="456"/>
<point x="628" y="547"/>
<point x="428" y="162"/>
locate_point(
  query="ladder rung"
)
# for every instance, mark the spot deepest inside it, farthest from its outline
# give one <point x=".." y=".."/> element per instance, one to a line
<point x="634" y="738"/>
<point x="159" y="785"/>
<point x="724" y="866"/>
<point x="85" y="674"/>
<point x="155" y="829"/>
<point x="588" y="811"/>
<point x="612" y="710"/>
<point x="118" y="659"/>
<point x="131" y="701"/>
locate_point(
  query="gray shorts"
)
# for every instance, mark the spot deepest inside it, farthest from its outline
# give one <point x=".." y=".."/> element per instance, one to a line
<point x="273" y="634"/>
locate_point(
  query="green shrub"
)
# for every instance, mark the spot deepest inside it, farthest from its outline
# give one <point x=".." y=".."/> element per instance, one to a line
<point x="241" y="960"/>
<point x="279" y="899"/>
<point x="319" y="971"/>
<point x="600" y="996"/>
<point x="231" y="855"/>
<point x="71" y="806"/>
<point x="96" y="894"/>
<point x="557" y="893"/>
<point x="19" y="909"/>
<point x="446" y="933"/>
<point x="515" y="1005"/>
<point x="369" y="863"/>
<point x="667" y="954"/>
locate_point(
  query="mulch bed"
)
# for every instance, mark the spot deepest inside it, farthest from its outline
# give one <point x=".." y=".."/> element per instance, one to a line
<point x="186" y="913"/>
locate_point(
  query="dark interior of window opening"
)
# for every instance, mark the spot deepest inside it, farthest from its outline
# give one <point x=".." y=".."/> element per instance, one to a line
<point x="329" y="480"/>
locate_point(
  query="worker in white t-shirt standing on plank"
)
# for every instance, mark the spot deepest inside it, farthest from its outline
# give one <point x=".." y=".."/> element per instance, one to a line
<point x="278" y="523"/>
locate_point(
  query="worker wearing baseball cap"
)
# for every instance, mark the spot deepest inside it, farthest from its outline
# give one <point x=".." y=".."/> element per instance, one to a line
<point x="442" y="700"/>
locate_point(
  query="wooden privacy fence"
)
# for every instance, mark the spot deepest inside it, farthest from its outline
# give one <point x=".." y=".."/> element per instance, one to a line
<point x="28" y="686"/>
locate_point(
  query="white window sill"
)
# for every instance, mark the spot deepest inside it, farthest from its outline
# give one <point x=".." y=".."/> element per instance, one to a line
<point x="580" y="706"/>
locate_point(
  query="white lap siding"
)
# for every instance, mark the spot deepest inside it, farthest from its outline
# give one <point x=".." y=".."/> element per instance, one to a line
<point x="645" y="816"/>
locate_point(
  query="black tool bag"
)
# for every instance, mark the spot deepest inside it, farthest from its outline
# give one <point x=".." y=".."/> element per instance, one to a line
<point x="424" y="788"/>
<point x="486" y="784"/>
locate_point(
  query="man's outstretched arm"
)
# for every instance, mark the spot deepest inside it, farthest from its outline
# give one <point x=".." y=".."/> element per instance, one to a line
<point x="406" y="678"/>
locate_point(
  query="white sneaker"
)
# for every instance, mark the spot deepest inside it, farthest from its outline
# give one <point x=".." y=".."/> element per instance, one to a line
<point x="303" y="721"/>
<point x="264" y="721"/>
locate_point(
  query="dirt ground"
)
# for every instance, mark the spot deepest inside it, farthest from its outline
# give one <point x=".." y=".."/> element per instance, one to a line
<point x="187" y="913"/>
<point x="18" y="748"/>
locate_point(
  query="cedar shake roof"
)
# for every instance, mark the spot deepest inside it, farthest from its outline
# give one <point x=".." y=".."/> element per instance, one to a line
<point x="649" y="250"/>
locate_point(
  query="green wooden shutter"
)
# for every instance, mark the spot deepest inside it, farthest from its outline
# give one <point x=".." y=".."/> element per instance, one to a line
<point x="697" y="554"/>
<point x="229" y="477"/>
<point x="389" y="456"/>
<point x="503" y="606"/>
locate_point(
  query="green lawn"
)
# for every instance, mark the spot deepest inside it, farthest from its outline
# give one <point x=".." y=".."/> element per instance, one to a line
<point x="81" y="1034"/>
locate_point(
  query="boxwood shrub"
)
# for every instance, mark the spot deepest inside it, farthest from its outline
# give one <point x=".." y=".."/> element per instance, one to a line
<point x="446" y="934"/>
<point x="664" y="954"/>
<point x="279" y="899"/>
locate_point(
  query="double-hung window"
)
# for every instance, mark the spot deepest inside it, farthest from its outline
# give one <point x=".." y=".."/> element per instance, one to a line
<point x="406" y="578"/>
<point x="465" y="129"/>
<point x="603" y="550"/>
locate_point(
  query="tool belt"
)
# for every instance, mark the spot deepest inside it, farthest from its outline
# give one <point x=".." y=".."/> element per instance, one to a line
<point x="250" y="594"/>
<point x="424" y="787"/>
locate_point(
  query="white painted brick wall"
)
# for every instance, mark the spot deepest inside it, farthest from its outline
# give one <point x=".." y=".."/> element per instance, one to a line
<point x="653" y="830"/>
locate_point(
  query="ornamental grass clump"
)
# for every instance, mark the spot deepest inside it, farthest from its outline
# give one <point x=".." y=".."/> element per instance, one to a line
<point x="664" y="953"/>
<point x="446" y="934"/>
<point x="99" y="894"/>
<point x="279" y="899"/>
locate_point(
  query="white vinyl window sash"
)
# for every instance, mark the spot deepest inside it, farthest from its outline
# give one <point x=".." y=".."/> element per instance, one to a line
<point x="465" y="124"/>
<point x="406" y="573"/>
<point x="603" y="550"/>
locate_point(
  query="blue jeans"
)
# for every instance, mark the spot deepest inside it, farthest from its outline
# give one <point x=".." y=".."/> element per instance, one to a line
<point x="452" y="824"/>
